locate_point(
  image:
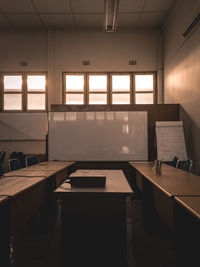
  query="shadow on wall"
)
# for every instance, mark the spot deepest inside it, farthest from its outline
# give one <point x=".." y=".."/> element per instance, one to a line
<point x="192" y="137"/>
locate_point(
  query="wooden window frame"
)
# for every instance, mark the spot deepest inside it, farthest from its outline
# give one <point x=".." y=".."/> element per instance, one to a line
<point x="154" y="91"/>
<point x="24" y="92"/>
<point x="97" y="92"/>
<point x="109" y="92"/>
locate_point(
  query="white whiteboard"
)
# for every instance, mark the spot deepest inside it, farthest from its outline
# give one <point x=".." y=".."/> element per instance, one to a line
<point x="170" y="140"/>
<point x="23" y="126"/>
<point x="98" y="136"/>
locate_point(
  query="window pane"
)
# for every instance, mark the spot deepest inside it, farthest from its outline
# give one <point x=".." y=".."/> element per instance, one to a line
<point x="12" y="102"/>
<point x="121" y="98"/>
<point x="121" y="82"/>
<point x="13" y="82"/>
<point x="98" y="99"/>
<point x="74" y="82"/>
<point x="144" y="82"/>
<point x="144" y="98"/>
<point x="76" y="99"/>
<point x="36" y="82"/>
<point x="36" y="102"/>
<point x="97" y="82"/>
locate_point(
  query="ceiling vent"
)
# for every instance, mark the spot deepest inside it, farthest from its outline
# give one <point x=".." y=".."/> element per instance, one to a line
<point x="192" y="26"/>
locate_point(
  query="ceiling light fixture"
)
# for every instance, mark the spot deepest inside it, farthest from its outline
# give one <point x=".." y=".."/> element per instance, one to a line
<point x="110" y="14"/>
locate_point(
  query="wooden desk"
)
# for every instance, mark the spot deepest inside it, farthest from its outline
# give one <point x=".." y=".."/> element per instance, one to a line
<point x="50" y="165"/>
<point x="187" y="230"/>
<point x="191" y="204"/>
<point x="30" y="190"/>
<point x="27" y="196"/>
<point x="4" y="232"/>
<point x="46" y="169"/>
<point x="159" y="191"/>
<point x="93" y="231"/>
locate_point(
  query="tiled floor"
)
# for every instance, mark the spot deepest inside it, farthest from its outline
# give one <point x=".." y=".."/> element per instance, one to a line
<point x="144" y="249"/>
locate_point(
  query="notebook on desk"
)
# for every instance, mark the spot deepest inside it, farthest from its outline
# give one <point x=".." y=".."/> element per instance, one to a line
<point x="87" y="179"/>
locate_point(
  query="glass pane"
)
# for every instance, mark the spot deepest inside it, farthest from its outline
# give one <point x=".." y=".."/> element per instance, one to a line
<point x="36" y="82"/>
<point x="74" y="82"/>
<point x="12" y="102"/>
<point x="13" y="82"/>
<point x="36" y="102"/>
<point x="121" y="98"/>
<point x="98" y="99"/>
<point x="97" y="82"/>
<point x="144" y="98"/>
<point x="121" y="82"/>
<point x="76" y="99"/>
<point x="144" y="82"/>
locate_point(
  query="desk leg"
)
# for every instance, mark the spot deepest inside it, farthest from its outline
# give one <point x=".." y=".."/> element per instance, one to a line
<point x="186" y="237"/>
<point x="93" y="232"/>
<point x="5" y="235"/>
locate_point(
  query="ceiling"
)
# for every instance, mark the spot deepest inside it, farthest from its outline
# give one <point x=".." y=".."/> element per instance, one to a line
<point x="81" y="14"/>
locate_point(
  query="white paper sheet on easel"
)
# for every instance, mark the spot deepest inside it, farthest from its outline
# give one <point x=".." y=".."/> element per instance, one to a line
<point x="170" y="140"/>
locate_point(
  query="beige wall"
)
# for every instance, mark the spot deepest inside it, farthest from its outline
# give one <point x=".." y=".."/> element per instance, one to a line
<point x="182" y="72"/>
<point x="59" y="51"/>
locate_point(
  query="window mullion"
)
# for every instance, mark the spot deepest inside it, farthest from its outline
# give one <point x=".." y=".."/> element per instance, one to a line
<point x="24" y="92"/>
<point x="86" y="88"/>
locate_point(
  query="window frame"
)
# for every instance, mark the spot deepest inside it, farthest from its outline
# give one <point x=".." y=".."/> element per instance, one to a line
<point x="109" y="92"/>
<point x="154" y="91"/>
<point x="24" y="92"/>
<point x="65" y="92"/>
<point x="88" y="92"/>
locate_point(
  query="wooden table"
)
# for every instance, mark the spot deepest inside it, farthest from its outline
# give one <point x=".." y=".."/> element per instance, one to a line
<point x="27" y="196"/>
<point x="187" y="230"/>
<point x="28" y="190"/>
<point x="47" y="169"/>
<point x="4" y="232"/>
<point x="159" y="191"/>
<point x="93" y="231"/>
<point x="175" y="196"/>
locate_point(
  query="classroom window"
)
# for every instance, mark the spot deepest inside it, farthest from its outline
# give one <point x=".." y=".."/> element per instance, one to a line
<point x="97" y="89"/>
<point x="36" y="92"/>
<point x="74" y="89"/>
<point x="109" y="88"/>
<point x="120" y="89"/>
<point x="144" y="89"/>
<point x="24" y="92"/>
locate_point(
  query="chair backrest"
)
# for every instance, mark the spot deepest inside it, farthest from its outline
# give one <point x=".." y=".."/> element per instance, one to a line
<point x="187" y="165"/>
<point x="14" y="164"/>
<point x="1" y="170"/>
<point x="31" y="160"/>
<point x="2" y="156"/>
<point x="175" y="162"/>
<point x="19" y="156"/>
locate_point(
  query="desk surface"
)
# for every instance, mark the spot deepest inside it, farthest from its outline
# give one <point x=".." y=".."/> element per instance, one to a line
<point x="30" y="173"/>
<point x="49" y="166"/>
<point x="172" y="183"/>
<point x="192" y="204"/>
<point x="11" y="186"/>
<point x="3" y="199"/>
<point x="116" y="184"/>
<point x="148" y="165"/>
